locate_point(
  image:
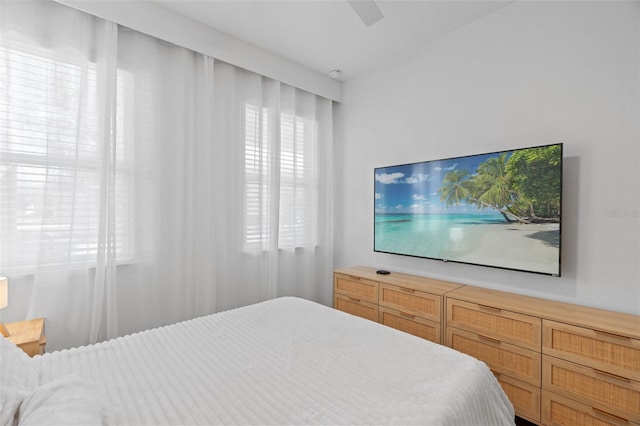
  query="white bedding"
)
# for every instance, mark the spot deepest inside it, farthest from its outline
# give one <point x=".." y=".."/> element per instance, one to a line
<point x="284" y="361"/>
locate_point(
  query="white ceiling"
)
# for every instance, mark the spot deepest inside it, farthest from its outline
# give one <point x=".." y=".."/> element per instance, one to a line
<point x="327" y="34"/>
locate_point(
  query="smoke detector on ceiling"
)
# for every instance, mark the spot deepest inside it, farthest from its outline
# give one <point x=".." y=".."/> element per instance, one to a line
<point x="335" y="73"/>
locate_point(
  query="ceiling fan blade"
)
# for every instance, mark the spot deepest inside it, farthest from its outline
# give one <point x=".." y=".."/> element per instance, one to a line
<point x="367" y="10"/>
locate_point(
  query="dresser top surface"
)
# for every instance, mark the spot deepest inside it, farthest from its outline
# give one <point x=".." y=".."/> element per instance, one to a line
<point x="414" y="282"/>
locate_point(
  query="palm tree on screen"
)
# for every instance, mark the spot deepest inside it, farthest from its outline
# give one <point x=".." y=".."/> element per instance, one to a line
<point x="524" y="188"/>
<point x="456" y="188"/>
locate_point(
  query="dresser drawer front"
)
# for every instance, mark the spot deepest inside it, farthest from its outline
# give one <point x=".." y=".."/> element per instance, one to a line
<point x="524" y="397"/>
<point x="596" y="389"/>
<point x="504" y="358"/>
<point x="356" y="307"/>
<point x="356" y="287"/>
<point x="518" y="329"/>
<point x="429" y="330"/>
<point x="558" y="410"/>
<point x="615" y="354"/>
<point x="411" y="301"/>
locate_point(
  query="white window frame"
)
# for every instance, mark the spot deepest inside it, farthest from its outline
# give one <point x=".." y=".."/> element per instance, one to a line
<point x="15" y="221"/>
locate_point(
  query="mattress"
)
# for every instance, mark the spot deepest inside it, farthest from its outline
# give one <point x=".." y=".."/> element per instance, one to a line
<point x="283" y="361"/>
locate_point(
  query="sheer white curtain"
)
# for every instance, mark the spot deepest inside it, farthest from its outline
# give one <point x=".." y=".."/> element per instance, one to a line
<point x="276" y="223"/>
<point x="142" y="183"/>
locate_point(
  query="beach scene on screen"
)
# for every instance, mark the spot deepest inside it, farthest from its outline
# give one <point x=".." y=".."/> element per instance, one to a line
<point x="500" y="209"/>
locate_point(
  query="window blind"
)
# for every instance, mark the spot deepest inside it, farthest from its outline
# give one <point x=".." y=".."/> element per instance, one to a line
<point x="257" y="169"/>
<point x="298" y="182"/>
<point x="297" y="192"/>
<point x="50" y="161"/>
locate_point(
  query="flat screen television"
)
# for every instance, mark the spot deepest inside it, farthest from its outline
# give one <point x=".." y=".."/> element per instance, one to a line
<point x="501" y="209"/>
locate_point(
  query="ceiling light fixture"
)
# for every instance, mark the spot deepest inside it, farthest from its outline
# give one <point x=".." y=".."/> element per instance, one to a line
<point x="335" y="74"/>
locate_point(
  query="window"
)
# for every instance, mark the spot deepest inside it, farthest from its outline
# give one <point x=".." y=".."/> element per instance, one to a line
<point x="50" y="171"/>
<point x="298" y="182"/>
<point x="292" y="183"/>
<point x="257" y="164"/>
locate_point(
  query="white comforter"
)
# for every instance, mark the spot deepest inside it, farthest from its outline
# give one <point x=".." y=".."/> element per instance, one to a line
<point x="284" y="361"/>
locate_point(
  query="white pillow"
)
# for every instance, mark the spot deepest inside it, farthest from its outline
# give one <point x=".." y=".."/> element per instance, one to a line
<point x="18" y="375"/>
<point x="68" y="400"/>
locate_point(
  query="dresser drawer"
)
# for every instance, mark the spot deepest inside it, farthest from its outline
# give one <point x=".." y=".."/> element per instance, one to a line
<point x="506" y="326"/>
<point x="410" y="301"/>
<point x="524" y="397"/>
<point x="597" y="389"/>
<point x="558" y="410"/>
<point x="356" y="307"/>
<point x="409" y="323"/>
<point x="604" y="351"/>
<point x="504" y="358"/>
<point x="359" y="288"/>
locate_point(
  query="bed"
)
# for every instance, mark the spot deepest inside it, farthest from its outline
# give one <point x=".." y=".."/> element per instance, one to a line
<point x="283" y="361"/>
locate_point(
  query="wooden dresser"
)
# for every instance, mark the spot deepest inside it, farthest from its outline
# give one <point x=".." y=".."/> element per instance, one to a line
<point x="591" y="369"/>
<point x="559" y="363"/>
<point x="486" y="326"/>
<point x="405" y="302"/>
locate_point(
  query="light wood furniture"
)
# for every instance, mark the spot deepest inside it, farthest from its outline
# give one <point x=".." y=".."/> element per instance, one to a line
<point x="596" y="367"/>
<point x="28" y="335"/>
<point x="559" y="363"/>
<point x="355" y="294"/>
<point x="405" y="302"/>
<point x="485" y="325"/>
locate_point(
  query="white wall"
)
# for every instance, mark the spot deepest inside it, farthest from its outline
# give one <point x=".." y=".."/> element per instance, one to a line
<point x="532" y="73"/>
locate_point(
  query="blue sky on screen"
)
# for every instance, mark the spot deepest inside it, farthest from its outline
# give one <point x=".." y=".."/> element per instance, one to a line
<point x="413" y="188"/>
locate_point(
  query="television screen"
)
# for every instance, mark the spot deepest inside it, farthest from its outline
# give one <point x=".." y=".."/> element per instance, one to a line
<point x="501" y="209"/>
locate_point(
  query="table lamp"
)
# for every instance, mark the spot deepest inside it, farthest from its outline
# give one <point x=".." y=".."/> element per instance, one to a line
<point x="4" y="301"/>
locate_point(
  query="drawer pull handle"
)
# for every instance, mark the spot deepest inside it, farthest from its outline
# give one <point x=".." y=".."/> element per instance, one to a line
<point x="404" y="314"/>
<point x="611" y="376"/>
<point x="615" y="336"/>
<point x="489" y="340"/>
<point x="609" y="415"/>
<point x="353" y="299"/>
<point x="407" y="290"/>
<point x="489" y="308"/>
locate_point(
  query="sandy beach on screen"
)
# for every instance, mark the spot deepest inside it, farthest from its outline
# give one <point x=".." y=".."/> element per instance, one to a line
<point x="516" y="245"/>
